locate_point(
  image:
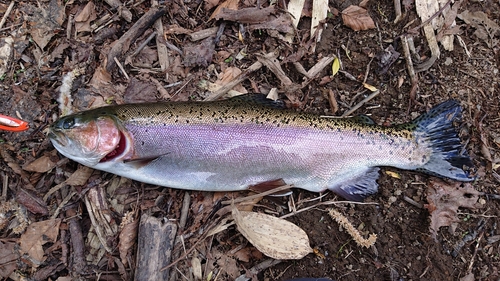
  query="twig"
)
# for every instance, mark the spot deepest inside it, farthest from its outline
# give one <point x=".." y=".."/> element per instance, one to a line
<point x="123" y="44"/>
<point x="258" y="268"/>
<point x="161" y="46"/>
<point x="415" y="29"/>
<point x="231" y="84"/>
<point x="251" y="197"/>
<point x="397" y="9"/>
<point x="184" y="211"/>
<point x="409" y="66"/>
<point x="326" y="203"/>
<point x="469" y="269"/>
<point x="204" y="33"/>
<point x="367" y="99"/>
<point x="182" y="87"/>
<point x="5" y="185"/>
<point x="182" y="223"/>
<point x="413" y="202"/>
<point x="9" y="9"/>
<point x="9" y="27"/>
<point x="69" y="25"/>
<point x="143" y="44"/>
<point x="368" y="70"/>
<point x="121" y="68"/>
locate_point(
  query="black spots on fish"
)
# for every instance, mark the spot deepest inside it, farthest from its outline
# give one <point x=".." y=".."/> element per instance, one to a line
<point x="142" y="143"/>
<point x="187" y="121"/>
<point x="391" y="152"/>
<point x="285" y="121"/>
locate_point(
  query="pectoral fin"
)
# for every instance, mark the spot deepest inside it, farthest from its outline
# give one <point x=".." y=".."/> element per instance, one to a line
<point x="359" y="187"/>
<point x="268" y="185"/>
<point x="141" y="162"/>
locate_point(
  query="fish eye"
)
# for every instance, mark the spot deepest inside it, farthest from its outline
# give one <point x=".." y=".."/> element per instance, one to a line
<point x="68" y="123"/>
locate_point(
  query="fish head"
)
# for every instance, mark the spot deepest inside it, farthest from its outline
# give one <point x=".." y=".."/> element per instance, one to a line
<point x="87" y="139"/>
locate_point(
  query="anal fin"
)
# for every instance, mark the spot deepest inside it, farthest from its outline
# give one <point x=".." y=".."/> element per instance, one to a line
<point x="359" y="187"/>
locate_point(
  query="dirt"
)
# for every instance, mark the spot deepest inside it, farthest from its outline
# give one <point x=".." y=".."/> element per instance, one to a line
<point x="404" y="250"/>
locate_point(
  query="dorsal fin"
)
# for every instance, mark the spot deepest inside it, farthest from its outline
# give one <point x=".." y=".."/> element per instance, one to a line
<point x="259" y="99"/>
<point x="363" y="119"/>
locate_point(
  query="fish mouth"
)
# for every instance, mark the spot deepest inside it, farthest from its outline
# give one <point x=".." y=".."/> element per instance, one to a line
<point x="59" y="138"/>
<point x="118" y="151"/>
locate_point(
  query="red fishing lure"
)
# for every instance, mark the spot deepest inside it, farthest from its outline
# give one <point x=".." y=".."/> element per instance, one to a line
<point x="12" y="124"/>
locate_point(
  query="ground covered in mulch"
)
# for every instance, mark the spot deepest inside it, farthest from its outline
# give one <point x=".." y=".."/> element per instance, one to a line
<point x="62" y="221"/>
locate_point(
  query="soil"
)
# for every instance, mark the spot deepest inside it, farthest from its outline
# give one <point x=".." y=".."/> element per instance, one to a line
<point x="405" y="248"/>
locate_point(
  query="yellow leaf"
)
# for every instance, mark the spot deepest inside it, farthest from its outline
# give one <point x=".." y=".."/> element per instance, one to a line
<point x="369" y="87"/>
<point x="335" y="66"/>
<point x="393" y="174"/>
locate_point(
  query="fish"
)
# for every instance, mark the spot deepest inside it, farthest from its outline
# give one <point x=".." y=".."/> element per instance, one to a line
<point x="246" y="141"/>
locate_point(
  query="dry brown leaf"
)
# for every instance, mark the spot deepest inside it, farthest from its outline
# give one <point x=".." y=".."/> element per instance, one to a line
<point x="80" y="176"/>
<point x="209" y="4"/>
<point x="229" y="4"/>
<point x="44" y="21"/>
<point x="36" y="235"/>
<point x="128" y="235"/>
<point x="357" y="18"/>
<point x="485" y="27"/>
<point x="248" y="253"/>
<point x="274" y="237"/>
<point x="6" y="52"/>
<point x="445" y="199"/>
<point x="227" y="264"/>
<point x="40" y="165"/>
<point x="199" y="53"/>
<point x="228" y="75"/>
<point x="83" y="19"/>
<point x="8" y="257"/>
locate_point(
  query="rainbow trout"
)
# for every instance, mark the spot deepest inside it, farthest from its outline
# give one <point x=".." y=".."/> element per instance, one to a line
<point x="244" y="141"/>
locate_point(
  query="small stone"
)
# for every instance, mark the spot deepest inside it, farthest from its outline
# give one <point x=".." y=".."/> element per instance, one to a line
<point x="482" y="201"/>
<point x="448" y="61"/>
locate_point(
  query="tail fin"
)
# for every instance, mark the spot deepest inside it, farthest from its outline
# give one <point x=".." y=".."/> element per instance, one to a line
<point x="449" y="158"/>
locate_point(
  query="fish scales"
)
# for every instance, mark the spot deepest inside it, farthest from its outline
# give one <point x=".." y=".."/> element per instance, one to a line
<point x="237" y="143"/>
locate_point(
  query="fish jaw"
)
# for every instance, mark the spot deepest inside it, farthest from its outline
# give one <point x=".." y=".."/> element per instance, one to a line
<point x="88" y="141"/>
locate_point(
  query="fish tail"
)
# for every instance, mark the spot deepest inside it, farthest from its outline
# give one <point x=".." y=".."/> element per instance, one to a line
<point x="436" y="128"/>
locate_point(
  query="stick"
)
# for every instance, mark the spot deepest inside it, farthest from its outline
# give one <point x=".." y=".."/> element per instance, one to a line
<point x="4" y="18"/>
<point x="397" y="9"/>
<point x="231" y="84"/>
<point x="131" y="35"/>
<point x="409" y="66"/>
<point x="357" y="106"/>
